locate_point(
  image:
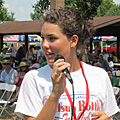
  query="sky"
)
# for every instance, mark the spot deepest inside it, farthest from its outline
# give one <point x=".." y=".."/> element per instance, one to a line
<point x="23" y="8"/>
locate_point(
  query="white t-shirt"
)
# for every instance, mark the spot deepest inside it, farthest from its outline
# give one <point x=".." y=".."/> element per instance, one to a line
<point x="37" y="86"/>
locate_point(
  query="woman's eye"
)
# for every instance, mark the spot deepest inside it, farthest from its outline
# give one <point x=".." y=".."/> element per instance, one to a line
<point x="52" y="39"/>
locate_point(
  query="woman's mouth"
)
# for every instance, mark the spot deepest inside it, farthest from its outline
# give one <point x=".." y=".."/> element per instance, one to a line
<point x="49" y="55"/>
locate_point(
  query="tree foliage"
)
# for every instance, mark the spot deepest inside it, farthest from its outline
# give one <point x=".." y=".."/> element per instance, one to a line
<point x="4" y="14"/>
<point x="113" y="11"/>
<point x="87" y="8"/>
<point x="104" y="7"/>
<point x="39" y="9"/>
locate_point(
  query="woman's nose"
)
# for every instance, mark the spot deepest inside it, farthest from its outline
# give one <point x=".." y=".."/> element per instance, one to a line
<point x="45" y="44"/>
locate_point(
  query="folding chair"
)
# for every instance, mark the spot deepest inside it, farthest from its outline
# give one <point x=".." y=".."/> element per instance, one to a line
<point x="7" y="88"/>
<point x="2" y="88"/>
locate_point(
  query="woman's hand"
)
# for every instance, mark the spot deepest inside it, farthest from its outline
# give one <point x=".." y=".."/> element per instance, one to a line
<point x="100" y="116"/>
<point x="58" y="77"/>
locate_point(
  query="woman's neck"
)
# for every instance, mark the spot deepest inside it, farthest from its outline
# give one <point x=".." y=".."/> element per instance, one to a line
<point x="74" y="65"/>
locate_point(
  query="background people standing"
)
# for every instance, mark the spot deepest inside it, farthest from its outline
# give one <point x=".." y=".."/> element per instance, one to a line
<point x="12" y="50"/>
<point x="3" y="53"/>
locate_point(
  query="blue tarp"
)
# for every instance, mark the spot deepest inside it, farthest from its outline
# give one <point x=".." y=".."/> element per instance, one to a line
<point x="21" y="38"/>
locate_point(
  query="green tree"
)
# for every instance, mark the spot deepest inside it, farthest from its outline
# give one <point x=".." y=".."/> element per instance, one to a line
<point x="104" y="7"/>
<point x="39" y="9"/>
<point x="87" y="8"/>
<point x="4" y="14"/>
<point x="113" y="11"/>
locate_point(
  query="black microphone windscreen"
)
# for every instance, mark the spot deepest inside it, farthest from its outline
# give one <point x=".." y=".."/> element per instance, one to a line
<point x="66" y="70"/>
<point x="58" y="57"/>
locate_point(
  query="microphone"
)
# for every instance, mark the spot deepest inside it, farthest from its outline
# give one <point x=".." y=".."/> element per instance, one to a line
<point x="66" y="70"/>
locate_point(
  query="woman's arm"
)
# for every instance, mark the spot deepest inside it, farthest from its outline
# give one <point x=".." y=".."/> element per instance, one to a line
<point x="59" y="83"/>
<point x="17" y="79"/>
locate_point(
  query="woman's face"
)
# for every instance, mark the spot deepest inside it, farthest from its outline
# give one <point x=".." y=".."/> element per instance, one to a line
<point x="54" y="42"/>
<point x="23" y="68"/>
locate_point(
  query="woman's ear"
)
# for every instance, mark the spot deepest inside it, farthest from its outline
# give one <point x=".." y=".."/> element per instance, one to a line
<point x="74" y="41"/>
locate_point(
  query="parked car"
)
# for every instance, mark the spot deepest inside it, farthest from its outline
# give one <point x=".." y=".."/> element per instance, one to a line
<point x="112" y="47"/>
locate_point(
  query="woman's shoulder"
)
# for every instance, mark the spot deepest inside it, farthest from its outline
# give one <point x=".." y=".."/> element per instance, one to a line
<point x="93" y="69"/>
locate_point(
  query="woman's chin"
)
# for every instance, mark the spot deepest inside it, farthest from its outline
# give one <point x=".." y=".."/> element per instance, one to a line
<point x="50" y="62"/>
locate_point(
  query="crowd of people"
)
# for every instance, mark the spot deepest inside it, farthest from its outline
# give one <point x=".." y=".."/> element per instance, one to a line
<point x="103" y="59"/>
<point x="46" y="90"/>
<point x="14" y="64"/>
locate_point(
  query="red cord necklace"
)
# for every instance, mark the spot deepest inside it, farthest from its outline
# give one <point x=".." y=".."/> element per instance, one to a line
<point x="87" y="96"/>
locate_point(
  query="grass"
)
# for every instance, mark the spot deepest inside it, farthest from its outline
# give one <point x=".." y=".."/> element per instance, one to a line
<point x="12" y="116"/>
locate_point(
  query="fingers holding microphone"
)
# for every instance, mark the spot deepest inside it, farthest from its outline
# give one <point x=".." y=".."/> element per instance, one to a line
<point x="58" y="67"/>
<point x="59" y="77"/>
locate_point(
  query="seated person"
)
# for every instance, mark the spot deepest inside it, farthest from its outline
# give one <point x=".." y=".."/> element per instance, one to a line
<point x="19" y="79"/>
<point x="115" y="84"/>
<point x="8" y="75"/>
<point x="114" y="80"/>
<point x="29" y="60"/>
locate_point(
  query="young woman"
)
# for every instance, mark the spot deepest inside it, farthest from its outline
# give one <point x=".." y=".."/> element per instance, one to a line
<point x="46" y="93"/>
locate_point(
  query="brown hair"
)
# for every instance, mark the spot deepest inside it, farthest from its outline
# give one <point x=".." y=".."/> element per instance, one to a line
<point x="71" y="23"/>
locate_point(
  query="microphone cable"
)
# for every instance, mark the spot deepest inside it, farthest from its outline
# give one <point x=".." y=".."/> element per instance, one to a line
<point x="73" y="101"/>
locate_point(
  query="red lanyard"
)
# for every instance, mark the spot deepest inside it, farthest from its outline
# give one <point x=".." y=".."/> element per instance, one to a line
<point x="87" y="96"/>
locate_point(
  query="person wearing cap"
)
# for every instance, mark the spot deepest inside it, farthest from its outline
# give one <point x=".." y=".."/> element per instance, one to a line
<point x="19" y="79"/>
<point x="21" y="73"/>
<point x="8" y="75"/>
<point x="3" y="53"/>
<point x="34" y="66"/>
